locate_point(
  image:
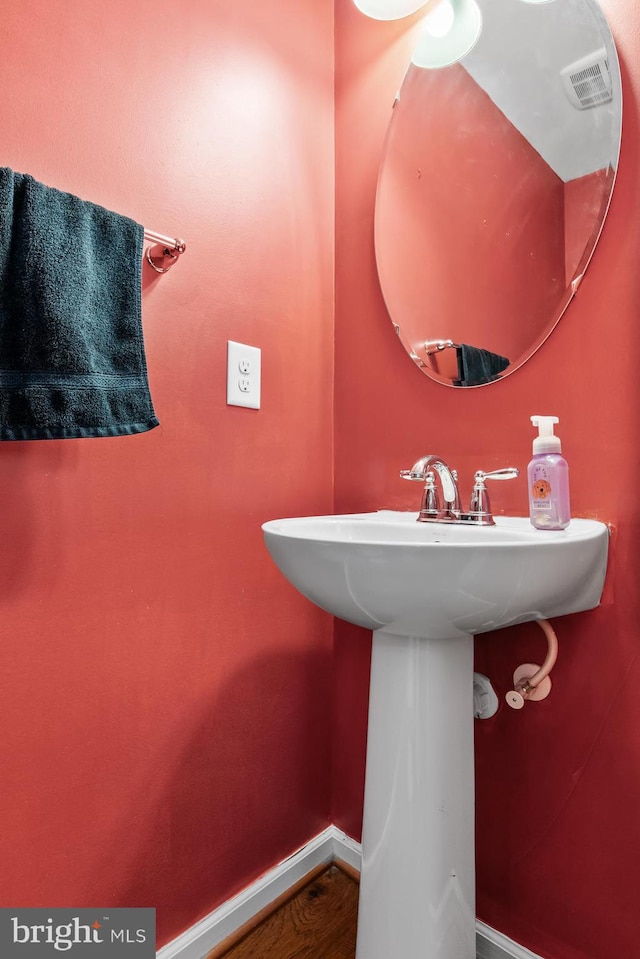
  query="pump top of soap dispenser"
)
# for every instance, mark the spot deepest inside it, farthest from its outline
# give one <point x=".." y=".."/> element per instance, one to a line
<point x="546" y="442"/>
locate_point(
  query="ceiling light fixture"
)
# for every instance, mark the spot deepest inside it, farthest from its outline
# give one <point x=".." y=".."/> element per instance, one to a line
<point x="450" y="31"/>
<point x="389" y="9"/>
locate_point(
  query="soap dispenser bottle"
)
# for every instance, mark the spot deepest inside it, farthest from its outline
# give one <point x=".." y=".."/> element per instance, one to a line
<point x="548" y="475"/>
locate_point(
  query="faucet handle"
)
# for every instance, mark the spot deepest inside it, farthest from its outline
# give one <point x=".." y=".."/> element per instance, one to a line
<point x="509" y="472"/>
<point x="430" y="505"/>
<point x="480" y="505"/>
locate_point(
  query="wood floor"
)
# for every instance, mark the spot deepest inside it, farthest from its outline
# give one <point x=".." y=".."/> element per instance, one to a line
<point x="318" y="922"/>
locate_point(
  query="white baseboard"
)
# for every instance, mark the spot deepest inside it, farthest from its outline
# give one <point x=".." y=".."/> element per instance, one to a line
<point x="491" y="944"/>
<point x="201" y="938"/>
<point x="327" y="846"/>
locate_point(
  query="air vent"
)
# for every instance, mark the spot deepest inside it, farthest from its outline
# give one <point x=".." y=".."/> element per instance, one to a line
<point x="587" y="82"/>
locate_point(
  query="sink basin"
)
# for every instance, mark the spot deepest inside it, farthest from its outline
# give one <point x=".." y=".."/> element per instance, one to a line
<point x="434" y="579"/>
<point x="425" y="589"/>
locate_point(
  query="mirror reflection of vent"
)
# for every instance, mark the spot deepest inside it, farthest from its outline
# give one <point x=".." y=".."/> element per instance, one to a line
<point x="587" y="82"/>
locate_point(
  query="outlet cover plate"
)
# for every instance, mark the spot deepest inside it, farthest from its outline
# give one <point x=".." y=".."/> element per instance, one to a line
<point x="243" y="375"/>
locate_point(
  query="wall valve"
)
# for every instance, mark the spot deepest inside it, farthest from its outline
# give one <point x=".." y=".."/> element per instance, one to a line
<point x="485" y="701"/>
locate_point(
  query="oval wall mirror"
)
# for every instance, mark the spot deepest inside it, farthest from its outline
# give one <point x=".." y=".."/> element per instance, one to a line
<point x="495" y="182"/>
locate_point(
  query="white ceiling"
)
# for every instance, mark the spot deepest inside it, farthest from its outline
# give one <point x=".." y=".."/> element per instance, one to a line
<point x="517" y="61"/>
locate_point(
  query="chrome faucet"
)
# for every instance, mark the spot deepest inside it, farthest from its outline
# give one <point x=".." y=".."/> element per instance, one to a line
<point x="430" y="509"/>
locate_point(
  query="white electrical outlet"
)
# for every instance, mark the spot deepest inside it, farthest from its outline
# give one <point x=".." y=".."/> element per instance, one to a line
<point x="243" y="375"/>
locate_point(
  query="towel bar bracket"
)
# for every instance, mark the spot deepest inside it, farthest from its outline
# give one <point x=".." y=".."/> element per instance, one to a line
<point x="164" y="252"/>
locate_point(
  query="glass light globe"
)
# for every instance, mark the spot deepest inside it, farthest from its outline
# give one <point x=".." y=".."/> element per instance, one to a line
<point x="389" y="9"/>
<point x="448" y="35"/>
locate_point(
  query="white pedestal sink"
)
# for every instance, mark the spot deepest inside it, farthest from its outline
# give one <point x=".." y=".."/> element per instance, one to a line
<point x="425" y="589"/>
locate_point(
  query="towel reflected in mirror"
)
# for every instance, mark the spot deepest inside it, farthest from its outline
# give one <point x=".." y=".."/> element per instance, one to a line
<point x="477" y="366"/>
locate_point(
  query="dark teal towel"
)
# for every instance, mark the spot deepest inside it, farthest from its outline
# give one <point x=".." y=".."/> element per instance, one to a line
<point x="72" y="361"/>
<point x="476" y="366"/>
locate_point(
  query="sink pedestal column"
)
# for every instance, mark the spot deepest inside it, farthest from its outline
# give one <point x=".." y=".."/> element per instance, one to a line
<point x="417" y="888"/>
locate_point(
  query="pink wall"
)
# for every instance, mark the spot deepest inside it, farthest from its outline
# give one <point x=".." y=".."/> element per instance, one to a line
<point x="164" y="692"/>
<point x="558" y="785"/>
